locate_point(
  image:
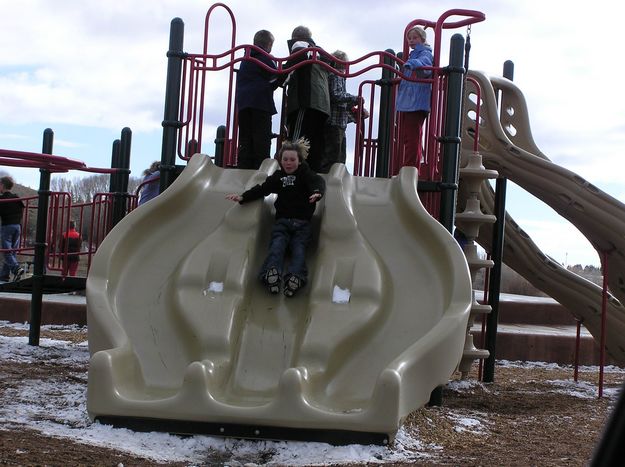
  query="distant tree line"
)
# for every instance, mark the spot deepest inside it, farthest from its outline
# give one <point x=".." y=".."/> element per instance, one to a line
<point x="84" y="189"/>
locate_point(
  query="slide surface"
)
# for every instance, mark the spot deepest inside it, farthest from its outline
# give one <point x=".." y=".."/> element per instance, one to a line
<point x="506" y="145"/>
<point x="180" y="328"/>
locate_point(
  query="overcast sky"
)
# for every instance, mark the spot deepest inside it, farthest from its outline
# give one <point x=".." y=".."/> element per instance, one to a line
<point x="88" y="68"/>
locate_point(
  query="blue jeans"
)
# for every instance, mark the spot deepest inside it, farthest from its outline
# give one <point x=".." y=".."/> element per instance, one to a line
<point x="295" y="235"/>
<point x="10" y="241"/>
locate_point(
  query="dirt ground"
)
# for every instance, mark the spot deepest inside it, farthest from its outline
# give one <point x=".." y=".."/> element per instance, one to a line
<point x="527" y="422"/>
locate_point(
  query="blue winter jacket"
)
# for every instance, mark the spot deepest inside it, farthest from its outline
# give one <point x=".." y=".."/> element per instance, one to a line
<point x="413" y="96"/>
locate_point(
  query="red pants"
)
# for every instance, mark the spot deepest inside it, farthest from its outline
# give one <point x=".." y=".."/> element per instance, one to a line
<point x="72" y="267"/>
<point x="410" y="139"/>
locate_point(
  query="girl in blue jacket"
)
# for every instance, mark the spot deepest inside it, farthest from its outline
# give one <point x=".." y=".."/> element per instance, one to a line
<point x="413" y="98"/>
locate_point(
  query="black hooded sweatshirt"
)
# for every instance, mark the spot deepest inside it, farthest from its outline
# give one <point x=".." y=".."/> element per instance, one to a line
<point x="293" y="192"/>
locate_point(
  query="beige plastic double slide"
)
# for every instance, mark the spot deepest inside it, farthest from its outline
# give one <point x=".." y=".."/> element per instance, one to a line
<point x="184" y="338"/>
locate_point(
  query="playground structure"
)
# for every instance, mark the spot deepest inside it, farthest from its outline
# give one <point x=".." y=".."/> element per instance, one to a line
<point x="506" y="145"/>
<point x="124" y="368"/>
<point x="202" y="348"/>
<point x="209" y="352"/>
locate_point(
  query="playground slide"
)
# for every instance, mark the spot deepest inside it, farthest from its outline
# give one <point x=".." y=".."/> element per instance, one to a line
<point x="506" y="145"/>
<point x="182" y="332"/>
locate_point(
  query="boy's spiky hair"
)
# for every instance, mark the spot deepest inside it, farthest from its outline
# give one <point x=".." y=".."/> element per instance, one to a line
<point x="300" y="146"/>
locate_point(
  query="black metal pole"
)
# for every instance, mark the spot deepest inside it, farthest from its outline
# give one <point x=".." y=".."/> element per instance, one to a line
<point x="172" y="103"/>
<point x="385" y="119"/>
<point x="451" y="138"/>
<point x="38" y="278"/>
<point x="121" y="178"/>
<point x="494" y="287"/>
<point x="192" y="148"/>
<point x="220" y="139"/>
<point x="451" y="150"/>
<point x="494" y="284"/>
<point x="124" y="157"/>
<point x="508" y="69"/>
<point x="115" y="163"/>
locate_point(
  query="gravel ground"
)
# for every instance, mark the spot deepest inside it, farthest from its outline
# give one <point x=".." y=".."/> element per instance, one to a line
<point x="532" y="415"/>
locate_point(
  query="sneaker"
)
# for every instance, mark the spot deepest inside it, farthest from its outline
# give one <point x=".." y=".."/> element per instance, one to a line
<point x="18" y="274"/>
<point x="292" y="285"/>
<point x="271" y="279"/>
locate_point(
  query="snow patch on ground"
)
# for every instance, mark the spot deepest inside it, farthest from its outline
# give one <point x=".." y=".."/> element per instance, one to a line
<point x="57" y="407"/>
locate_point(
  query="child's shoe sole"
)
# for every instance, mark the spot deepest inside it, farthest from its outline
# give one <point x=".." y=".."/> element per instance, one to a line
<point x="292" y="285"/>
<point x="272" y="280"/>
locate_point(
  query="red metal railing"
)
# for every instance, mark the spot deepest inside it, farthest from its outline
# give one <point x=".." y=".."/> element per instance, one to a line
<point x="61" y="210"/>
<point x="196" y="68"/>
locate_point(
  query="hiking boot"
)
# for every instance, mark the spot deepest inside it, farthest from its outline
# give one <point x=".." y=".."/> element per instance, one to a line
<point x="18" y="274"/>
<point x="292" y="285"/>
<point x="271" y="279"/>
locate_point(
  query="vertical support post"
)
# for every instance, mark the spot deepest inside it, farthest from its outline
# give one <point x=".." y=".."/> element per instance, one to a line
<point x="604" y="316"/>
<point x="451" y="150"/>
<point x="480" y="368"/>
<point x="497" y="256"/>
<point x="385" y="119"/>
<point x="172" y="103"/>
<point x="38" y="278"/>
<point x="115" y="163"/>
<point x="220" y="140"/>
<point x="578" y="338"/>
<point x="495" y="279"/>
<point x="124" y="156"/>
<point x="192" y="148"/>
<point x="451" y="138"/>
<point x="120" y="195"/>
<point x="508" y="69"/>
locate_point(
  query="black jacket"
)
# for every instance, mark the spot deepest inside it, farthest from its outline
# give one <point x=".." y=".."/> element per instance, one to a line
<point x="308" y="85"/>
<point x="10" y="212"/>
<point x="293" y="192"/>
<point x="255" y="85"/>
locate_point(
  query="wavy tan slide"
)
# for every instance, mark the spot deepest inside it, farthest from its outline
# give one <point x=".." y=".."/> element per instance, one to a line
<point x="184" y="338"/>
<point x="506" y="145"/>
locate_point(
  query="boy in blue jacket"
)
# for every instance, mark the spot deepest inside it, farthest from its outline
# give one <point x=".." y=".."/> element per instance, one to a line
<point x="298" y="188"/>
